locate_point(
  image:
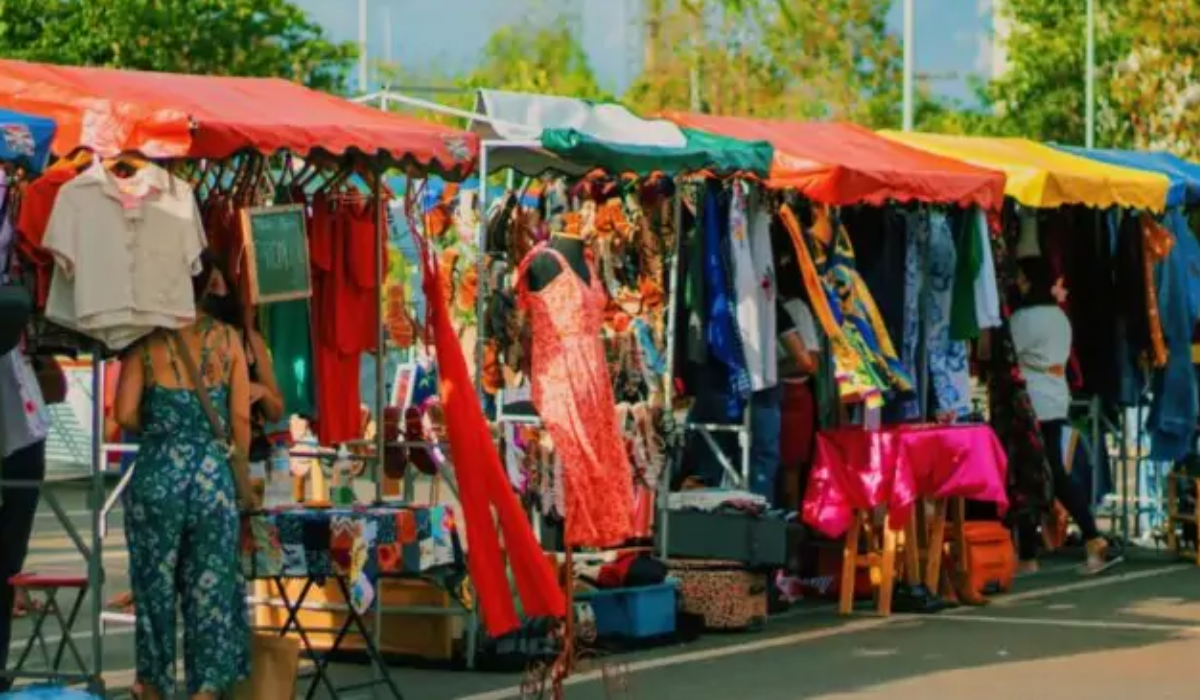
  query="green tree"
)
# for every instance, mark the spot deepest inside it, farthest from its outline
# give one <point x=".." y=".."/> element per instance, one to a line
<point x="1147" y="93"/>
<point x="263" y="38"/>
<point x="546" y="60"/>
<point x="542" y="59"/>
<point x="792" y="59"/>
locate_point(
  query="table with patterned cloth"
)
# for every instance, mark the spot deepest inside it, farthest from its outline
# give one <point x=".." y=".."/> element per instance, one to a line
<point x="358" y="544"/>
<point x="354" y="547"/>
<point x="858" y="469"/>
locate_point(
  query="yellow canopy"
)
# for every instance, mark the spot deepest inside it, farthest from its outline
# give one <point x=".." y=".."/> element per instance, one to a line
<point x="1041" y="176"/>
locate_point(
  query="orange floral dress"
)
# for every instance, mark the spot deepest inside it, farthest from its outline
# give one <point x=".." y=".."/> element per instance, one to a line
<point x="573" y="395"/>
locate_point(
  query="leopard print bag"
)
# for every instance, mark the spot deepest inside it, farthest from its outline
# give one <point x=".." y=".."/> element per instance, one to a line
<point x="724" y="593"/>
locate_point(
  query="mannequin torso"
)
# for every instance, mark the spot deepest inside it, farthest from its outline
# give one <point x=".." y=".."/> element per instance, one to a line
<point x="545" y="268"/>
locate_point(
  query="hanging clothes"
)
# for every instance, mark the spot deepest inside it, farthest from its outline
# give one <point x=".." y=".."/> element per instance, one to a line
<point x="721" y="333"/>
<point x="853" y="375"/>
<point x="930" y="266"/>
<point x="346" y="309"/>
<point x="987" y="295"/>
<point x="573" y="394"/>
<point x="37" y="203"/>
<point x="964" y="322"/>
<point x="754" y="284"/>
<point x="487" y="497"/>
<point x="1156" y="246"/>
<point x="147" y="224"/>
<point x="859" y="310"/>
<point x="948" y="370"/>
<point x="1175" y="402"/>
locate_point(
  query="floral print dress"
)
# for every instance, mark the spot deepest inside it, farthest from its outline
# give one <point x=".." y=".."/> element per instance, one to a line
<point x="183" y="528"/>
<point x="573" y="395"/>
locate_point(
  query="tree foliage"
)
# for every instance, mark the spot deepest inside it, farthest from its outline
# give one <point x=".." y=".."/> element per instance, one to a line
<point x="546" y="59"/>
<point x="791" y="59"/>
<point x="263" y="38"/>
<point x="1147" y="88"/>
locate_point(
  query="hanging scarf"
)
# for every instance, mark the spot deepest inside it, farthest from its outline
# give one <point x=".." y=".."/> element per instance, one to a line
<point x="483" y="485"/>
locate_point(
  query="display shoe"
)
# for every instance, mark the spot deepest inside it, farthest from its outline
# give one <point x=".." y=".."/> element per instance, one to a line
<point x="1100" y="557"/>
<point x="917" y="599"/>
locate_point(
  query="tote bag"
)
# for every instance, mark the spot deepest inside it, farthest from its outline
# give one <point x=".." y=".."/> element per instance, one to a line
<point x="24" y="419"/>
<point x="274" y="665"/>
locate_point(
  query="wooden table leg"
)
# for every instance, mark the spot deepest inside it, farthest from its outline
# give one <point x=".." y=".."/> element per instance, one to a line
<point x="936" y="539"/>
<point x="912" y="548"/>
<point x="887" y="580"/>
<point x="850" y="565"/>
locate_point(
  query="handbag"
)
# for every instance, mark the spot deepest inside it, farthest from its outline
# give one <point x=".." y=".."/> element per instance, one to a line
<point x="274" y="665"/>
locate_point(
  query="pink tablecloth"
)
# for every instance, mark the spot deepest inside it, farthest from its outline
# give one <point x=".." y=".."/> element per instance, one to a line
<point x="893" y="467"/>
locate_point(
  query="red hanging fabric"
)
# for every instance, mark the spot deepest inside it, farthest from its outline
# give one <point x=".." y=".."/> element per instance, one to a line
<point x="483" y="485"/>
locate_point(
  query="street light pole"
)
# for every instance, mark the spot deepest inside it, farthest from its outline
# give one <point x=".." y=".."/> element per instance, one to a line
<point x="1090" y="108"/>
<point x="908" y="65"/>
<point x="363" y="87"/>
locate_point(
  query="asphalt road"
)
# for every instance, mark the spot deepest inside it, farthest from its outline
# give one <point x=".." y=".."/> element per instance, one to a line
<point x="1134" y="632"/>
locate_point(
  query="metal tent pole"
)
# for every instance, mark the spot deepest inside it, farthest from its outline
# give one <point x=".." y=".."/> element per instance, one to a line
<point x="664" y="479"/>
<point x="95" y="558"/>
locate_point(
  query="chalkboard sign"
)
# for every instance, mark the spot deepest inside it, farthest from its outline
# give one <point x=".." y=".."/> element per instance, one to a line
<point x="277" y="253"/>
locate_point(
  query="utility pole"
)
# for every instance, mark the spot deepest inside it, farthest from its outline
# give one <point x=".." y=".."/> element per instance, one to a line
<point x="1090" y="107"/>
<point x="363" y="85"/>
<point x="908" y="65"/>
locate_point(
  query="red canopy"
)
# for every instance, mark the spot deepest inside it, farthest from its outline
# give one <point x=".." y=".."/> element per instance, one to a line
<point x="842" y="164"/>
<point x="166" y="115"/>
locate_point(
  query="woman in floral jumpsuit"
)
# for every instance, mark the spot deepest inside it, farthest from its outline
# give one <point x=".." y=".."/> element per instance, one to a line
<point x="182" y="520"/>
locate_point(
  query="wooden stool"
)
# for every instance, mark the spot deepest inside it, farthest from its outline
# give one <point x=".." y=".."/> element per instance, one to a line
<point x="47" y="586"/>
<point x="1174" y="517"/>
<point x="880" y="557"/>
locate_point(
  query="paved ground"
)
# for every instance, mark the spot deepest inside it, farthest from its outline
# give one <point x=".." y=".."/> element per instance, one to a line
<point x="1134" y="632"/>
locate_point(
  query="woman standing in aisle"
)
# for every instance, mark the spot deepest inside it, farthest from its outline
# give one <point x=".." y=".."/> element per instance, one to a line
<point x="1041" y="334"/>
<point x="183" y="393"/>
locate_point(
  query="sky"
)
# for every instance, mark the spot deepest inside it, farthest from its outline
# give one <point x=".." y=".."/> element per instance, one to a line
<point x="951" y="36"/>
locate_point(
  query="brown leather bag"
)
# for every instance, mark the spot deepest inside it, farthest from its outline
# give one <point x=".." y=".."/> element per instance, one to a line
<point x="991" y="561"/>
<point x="51" y="379"/>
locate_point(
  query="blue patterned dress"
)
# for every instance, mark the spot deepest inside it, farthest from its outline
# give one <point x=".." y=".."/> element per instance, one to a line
<point x="183" y="529"/>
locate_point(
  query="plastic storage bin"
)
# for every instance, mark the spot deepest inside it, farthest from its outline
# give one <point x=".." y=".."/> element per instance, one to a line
<point x="633" y="613"/>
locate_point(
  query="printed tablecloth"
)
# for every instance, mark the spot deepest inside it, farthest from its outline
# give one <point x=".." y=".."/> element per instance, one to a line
<point x="358" y="544"/>
<point x="893" y="467"/>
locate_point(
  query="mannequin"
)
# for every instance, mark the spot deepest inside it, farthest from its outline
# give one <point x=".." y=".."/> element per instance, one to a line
<point x="544" y="267"/>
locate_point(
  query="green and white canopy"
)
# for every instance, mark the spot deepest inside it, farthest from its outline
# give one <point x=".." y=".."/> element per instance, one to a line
<point x="574" y="137"/>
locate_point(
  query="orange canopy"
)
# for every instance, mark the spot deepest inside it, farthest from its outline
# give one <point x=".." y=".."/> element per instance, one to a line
<point x="841" y="164"/>
<point x="166" y="115"/>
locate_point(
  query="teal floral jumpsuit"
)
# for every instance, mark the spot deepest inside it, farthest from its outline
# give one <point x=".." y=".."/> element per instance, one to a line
<point x="182" y="526"/>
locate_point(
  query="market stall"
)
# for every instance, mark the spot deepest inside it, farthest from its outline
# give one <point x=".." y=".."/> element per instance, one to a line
<point x="890" y="197"/>
<point x="216" y="137"/>
<point x="1063" y="208"/>
<point x="1182" y="200"/>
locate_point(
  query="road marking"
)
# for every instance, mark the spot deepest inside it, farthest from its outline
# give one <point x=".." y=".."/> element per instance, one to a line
<point x="1064" y="623"/>
<point x="1101" y="581"/>
<point x="703" y="655"/>
<point x="51" y="515"/>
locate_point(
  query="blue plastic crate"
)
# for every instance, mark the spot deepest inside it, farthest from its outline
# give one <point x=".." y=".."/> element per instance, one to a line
<point x="46" y="692"/>
<point x="634" y="613"/>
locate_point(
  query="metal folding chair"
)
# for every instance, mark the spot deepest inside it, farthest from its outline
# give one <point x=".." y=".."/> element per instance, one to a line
<point x="44" y="588"/>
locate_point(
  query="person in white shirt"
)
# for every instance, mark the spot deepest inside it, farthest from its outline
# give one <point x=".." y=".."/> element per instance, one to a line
<point x="1041" y="335"/>
<point x="24" y="425"/>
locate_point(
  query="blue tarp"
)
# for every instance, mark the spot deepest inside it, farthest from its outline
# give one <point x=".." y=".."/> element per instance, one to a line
<point x="1183" y="174"/>
<point x="25" y="139"/>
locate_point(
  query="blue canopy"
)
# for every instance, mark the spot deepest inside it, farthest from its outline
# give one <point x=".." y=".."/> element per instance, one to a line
<point x="1184" y="175"/>
<point x="25" y="139"/>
